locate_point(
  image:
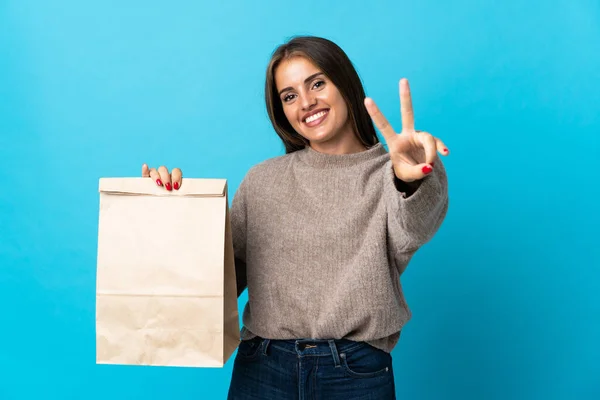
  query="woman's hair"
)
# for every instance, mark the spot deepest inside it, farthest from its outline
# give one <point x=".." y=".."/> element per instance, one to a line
<point x="336" y="65"/>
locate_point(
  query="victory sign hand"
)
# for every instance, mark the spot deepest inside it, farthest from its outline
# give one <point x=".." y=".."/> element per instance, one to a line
<point x="412" y="152"/>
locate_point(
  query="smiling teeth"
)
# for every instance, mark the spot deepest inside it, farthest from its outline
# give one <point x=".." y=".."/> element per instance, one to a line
<point x="316" y="116"/>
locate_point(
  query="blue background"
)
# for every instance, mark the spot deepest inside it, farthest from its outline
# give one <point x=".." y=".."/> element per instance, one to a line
<point x="505" y="298"/>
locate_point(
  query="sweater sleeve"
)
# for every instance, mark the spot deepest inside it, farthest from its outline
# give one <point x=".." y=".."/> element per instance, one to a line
<point x="238" y="229"/>
<point x="414" y="219"/>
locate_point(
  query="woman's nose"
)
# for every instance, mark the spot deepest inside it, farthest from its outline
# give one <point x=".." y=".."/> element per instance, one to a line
<point x="308" y="102"/>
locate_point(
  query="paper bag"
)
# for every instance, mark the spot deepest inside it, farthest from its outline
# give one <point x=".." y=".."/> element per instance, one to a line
<point x="166" y="289"/>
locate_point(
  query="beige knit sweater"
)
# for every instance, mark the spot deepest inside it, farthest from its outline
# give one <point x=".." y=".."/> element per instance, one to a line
<point x="321" y="240"/>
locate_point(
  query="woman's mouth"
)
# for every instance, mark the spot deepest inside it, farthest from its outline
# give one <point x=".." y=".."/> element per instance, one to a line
<point x="316" y="119"/>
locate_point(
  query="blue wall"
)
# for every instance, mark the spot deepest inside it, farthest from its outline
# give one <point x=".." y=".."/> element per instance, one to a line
<point x="505" y="298"/>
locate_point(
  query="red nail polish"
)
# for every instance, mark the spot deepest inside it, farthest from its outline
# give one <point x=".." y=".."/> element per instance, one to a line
<point x="432" y="164"/>
<point x="159" y="182"/>
<point x="445" y="150"/>
<point x="168" y="186"/>
<point x="427" y="169"/>
<point x="176" y="185"/>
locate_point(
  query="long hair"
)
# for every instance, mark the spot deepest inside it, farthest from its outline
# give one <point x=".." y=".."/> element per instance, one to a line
<point x="336" y="65"/>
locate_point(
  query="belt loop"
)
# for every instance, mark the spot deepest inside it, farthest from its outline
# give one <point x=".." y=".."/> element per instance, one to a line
<point x="334" y="353"/>
<point x="265" y="345"/>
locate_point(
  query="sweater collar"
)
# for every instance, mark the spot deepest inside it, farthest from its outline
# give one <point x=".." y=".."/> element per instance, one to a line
<point x="313" y="158"/>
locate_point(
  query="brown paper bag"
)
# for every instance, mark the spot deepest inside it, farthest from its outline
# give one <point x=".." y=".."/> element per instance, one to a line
<point x="166" y="291"/>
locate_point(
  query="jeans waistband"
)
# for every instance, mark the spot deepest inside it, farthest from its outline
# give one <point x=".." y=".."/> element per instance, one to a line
<point x="312" y="347"/>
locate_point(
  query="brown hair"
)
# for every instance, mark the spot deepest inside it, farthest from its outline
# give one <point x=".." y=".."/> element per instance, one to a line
<point x="336" y="65"/>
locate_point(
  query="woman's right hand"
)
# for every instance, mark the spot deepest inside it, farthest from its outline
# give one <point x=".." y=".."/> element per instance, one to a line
<point x="162" y="177"/>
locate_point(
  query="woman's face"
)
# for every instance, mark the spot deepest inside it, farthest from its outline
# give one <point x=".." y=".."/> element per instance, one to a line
<point x="312" y="104"/>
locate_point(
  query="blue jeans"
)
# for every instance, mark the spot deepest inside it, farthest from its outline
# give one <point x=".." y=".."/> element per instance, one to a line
<point x="311" y="369"/>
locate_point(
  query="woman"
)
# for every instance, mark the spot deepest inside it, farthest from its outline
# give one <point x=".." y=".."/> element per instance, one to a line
<point x="322" y="234"/>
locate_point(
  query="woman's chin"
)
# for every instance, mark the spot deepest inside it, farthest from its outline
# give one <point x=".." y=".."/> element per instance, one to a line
<point x="319" y="136"/>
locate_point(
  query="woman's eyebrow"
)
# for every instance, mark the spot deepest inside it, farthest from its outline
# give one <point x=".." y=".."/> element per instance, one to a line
<point x="310" y="78"/>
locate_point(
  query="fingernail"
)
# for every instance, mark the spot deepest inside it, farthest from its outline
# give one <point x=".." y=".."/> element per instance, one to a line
<point x="445" y="150"/>
<point x="159" y="182"/>
<point x="432" y="164"/>
<point x="427" y="169"/>
<point x="176" y="185"/>
<point x="168" y="186"/>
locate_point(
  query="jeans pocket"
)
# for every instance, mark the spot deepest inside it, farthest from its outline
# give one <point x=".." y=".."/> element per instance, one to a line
<point x="366" y="362"/>
<point x="249" y="349"/>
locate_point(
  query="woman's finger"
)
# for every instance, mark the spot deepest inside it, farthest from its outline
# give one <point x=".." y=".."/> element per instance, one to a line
<point x="441" y="147"/>
<point x="429" y="146"/>
<point x="379" y="119"/>
<point x="145" y="171"/>
<point x="411" y="173"/>
<point x="406" y="108"/>
<point x="176" y="178"/>
<point x="155" y="176"/>
<point x="165" y="177"/>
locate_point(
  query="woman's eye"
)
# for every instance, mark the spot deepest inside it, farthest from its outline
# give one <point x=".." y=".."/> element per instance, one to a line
<point x="318" y="84"/>
<point x="288" y="97"/>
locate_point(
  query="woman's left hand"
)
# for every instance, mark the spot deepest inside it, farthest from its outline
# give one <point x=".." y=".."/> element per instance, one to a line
<point x="412" y="152"/>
